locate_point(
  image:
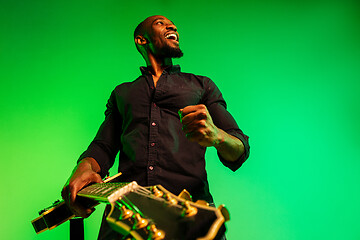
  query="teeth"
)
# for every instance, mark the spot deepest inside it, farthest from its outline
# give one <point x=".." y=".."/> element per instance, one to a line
<point x="171" y="35"/>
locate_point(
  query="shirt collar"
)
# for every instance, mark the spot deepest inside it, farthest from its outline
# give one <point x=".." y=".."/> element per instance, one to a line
<point x="169" y="69"/>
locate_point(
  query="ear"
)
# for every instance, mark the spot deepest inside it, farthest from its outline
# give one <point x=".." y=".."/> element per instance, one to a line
<point x="140" y="40"/>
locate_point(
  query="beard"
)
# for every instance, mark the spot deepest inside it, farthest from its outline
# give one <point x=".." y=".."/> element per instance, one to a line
<point x="170" y="52"/>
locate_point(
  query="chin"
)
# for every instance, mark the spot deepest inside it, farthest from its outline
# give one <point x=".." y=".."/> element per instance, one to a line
<point x="172" y="52"/>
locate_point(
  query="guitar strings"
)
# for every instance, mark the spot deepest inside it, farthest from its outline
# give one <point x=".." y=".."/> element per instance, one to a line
<point x="143" y="190"/>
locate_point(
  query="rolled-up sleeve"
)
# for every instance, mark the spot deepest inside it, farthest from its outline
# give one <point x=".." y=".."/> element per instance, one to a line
<point x="217" y="108"/>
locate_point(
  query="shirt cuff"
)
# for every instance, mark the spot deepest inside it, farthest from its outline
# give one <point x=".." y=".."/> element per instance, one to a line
<point x="235" y="165"/>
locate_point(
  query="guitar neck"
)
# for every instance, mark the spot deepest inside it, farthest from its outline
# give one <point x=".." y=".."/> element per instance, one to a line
<point x="107" y="192"/>
<point x="89" y="197"/>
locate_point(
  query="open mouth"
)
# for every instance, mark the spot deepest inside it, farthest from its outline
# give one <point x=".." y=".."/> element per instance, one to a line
<point x="172" y="36"/>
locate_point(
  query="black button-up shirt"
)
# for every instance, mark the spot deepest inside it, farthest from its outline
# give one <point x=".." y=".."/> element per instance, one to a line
<point x="142" y="122"/>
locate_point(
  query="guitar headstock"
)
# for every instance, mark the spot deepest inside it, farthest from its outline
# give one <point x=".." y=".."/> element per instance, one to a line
<point x="155" y="213"/>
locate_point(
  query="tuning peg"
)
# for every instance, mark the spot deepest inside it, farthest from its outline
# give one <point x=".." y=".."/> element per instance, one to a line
<point x="189" y="210"/>
<point x="125" y="213"/>
<point x="202" y="202"/>
<point x="42" y="211"/>
<point x="170" y="199"/>
<point x="185" y="195"/>
<point x="156" y="234"/>
<point x="140" y="222"/>
<point x="224" y="212"/>
<point x="157" y="192"/>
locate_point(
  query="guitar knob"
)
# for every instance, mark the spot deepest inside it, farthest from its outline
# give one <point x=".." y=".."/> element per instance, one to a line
<point x="202" y="202"/>
<point x="157" y="192"/>
<point x="189" y="210"/>
<point x="125" y="213"/>
<point x="170" y="199"/>
<point x="42" y="211"/>
<point x="140" y="222"/>
<point x="185" y="195"/>
<point x="224" y="212"/>
<point x="156" y="234"/>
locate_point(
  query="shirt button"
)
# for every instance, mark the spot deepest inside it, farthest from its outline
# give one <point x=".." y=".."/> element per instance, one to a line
<point x="152" y="144"/>
<point x="151" y="168"/>
<point x="153" y="124"/>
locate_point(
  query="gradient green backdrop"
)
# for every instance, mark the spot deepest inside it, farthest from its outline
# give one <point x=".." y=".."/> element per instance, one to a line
<point x="289" y="71"/>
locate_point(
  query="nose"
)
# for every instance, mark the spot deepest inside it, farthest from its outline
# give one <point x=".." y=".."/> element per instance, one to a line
<point x="171" y="27"/>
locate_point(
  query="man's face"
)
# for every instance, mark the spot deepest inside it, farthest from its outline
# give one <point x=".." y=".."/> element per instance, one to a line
<point x="163" y="37"/>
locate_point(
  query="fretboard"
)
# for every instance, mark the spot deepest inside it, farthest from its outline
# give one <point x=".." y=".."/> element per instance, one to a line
<point x="107" y="192"/>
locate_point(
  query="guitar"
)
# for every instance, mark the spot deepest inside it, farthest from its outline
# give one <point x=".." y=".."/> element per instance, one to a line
<point x="143" y="213"/>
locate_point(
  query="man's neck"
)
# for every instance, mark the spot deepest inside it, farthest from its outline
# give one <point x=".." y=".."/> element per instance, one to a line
<point x="157" y="65"/>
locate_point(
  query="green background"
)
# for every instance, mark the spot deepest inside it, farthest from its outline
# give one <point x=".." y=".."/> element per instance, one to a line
<point x="289" y="71"/>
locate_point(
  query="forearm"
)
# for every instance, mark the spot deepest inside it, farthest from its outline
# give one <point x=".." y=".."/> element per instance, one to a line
<point x="228" y="146"/>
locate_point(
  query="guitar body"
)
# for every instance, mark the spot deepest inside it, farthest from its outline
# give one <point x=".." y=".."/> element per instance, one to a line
<point x="143" y="213"/>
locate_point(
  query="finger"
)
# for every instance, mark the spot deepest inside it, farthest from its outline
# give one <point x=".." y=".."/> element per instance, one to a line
<point x="192" y="108"/>
<point x="98" y="178"/>
<point x="91" y="177"/>
<point x="195" y="126"/>
<point x="80" y="211"/>
<point x="194" y="118"/>
<point x="72" y="193"/>
<point x="77" y="184"/>
<point x="186" y="119"/>
<point x="65" y="194"/>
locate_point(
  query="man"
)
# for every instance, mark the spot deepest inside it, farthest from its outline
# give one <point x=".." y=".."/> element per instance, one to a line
<point x="161" y="123"/>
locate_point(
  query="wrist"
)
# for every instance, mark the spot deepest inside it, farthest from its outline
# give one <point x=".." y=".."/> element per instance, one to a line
<point x="220" y="139"/>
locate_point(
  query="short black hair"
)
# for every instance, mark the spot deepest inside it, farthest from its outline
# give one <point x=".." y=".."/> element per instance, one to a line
<point x="139" y="30"/>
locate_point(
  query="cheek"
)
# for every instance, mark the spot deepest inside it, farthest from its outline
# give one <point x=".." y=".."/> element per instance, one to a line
<point x="158" y="45"/>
